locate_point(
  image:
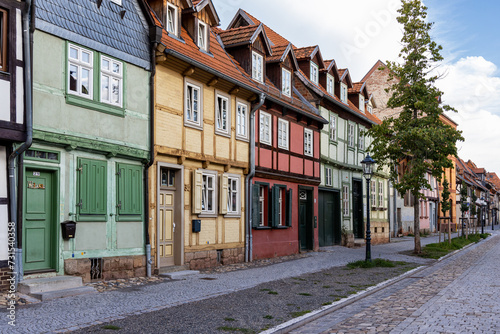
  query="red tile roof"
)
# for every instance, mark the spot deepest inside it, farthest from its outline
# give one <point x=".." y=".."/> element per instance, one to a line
<point x="237" y="35"/>
<point x="273" y="36"/>
<point x="302" y="53"/>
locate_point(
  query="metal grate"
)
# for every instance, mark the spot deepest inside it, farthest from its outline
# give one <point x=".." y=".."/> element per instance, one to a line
<point x="219" y="256"/>
<point x="96" y="268"/>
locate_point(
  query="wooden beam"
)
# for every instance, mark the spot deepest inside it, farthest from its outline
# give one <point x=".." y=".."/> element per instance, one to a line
<point x="252" y="98"/>
<point x="180" y="160"/>
<point x="206" y="164"/>
<point x="160" y="48"/>
<point x="227" y="168"/>
<point x="161" y="58"/>
<point x="213" y="82"/>
<point x="299" y="117"/>
<point x="235" y="90"/>
<point x="189" y="71"/>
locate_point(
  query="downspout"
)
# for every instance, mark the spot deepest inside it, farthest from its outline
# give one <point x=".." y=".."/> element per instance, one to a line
<point x="248" y="183"/>
<point x="147" y="219"/>
<point x="395" y="209"/>
<point x="18" y="271"/>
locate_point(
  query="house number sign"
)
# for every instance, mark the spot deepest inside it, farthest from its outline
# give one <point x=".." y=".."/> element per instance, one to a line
<point x="34" y="185"/>
<point x="36" y="173"/>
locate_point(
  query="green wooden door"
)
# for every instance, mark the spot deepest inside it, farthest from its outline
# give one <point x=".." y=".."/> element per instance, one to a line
<point x="357" y="209"/>
<point x="38" y="224"/>
<point x="329" y="218"/>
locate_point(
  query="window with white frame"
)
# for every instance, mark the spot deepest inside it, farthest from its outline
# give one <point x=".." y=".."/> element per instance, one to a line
<point x="373" y="193"/>
<point x="222" y="121"/>
<point x="283" y="134"/>
<point x="361" y="102"/>
<point x="286" y="82"/>
<point x="380" y="194"/>
<point x="281" y="202"/>
<point x="328" y="176"/>
<point x="333" y="127"/>
<point x="208" y="193"/>
<point x="265" y="127"/>
<point x="171" y="18"/>
<point x="345" y="200"/>
<point x="111" y="81"/>
<point x="257" y="66"/>
<point x="233" y="195"/>
<point x="361" y="141"/>
<point x="202" y="35"/>
<point x="193" y="104"/>
<point x="350" y="135"/>
<point x="241" y="120"/>
<point x="262" y="205"/>
<point x="308" y="142"/>
<point x="80" y="68"/>
<point x="343" y="92"/>
<point x="369" y="108"/>
<point x="330" y="84"/>
<point x="314" y="75"/>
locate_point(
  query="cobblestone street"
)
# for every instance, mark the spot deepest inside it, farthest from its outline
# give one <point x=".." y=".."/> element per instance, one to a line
<point x="461" y="294"/>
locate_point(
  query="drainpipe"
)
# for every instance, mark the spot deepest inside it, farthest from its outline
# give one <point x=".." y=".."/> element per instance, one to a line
<point x="18" y="271"/>
<point x="248" y="183"/>
<point x="147" y="219"/>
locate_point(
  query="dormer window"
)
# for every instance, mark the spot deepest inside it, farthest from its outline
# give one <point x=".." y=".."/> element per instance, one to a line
<point x="314" y="73"/>
<point x="330" y="86"/>
<point x="257" y="67"/>
<point x="202" y="35"/>
<point x="343" y="92"/>
<point x="171" y="19"/>
<point x="370" y="108"/>
<point x="361" y="103"/>
<point x="286" y="82"/>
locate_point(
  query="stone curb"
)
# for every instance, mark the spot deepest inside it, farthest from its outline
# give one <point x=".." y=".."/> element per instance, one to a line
<point x="316" y="314"/>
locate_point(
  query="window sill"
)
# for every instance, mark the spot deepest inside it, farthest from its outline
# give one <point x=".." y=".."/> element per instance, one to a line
<point x="208" y="215"/>
<point x="91" y="104"/>
<point x="262" y="228"/>
<point x="242" y="138"/>
<point x="91" y="218"/>
<point x="129" y="218"/>
<point x="281" y="227"/>
<point x="222" y="133"/>
<point x="233" y="215"/>
<point x="334" y="142"/>
<point x="193" y="125"/>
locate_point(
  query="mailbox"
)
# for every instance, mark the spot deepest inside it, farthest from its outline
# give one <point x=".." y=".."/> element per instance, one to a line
<point x="68" y="229"/>
<point x="196" y="225"/>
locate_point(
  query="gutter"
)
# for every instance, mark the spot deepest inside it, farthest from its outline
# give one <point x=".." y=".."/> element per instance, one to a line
<point x="248" y="183"/>
<point x="18" y="271"/>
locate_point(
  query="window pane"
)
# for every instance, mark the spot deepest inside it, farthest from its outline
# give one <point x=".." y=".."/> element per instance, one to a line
<point x="73" y="53"/>
<point x="86" y="57"/>
<point x="105" y="88"/>
<point x="116" y="67"/>
<point x="105" y="64"/>
<point x="85" y="81"/>
<point x="73" y="78"/>
<point x="115" y="91"/>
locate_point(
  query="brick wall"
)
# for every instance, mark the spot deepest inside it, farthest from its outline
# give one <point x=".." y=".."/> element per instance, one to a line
<point x="112" y="268"/>
<point x="209" y="259"/>
<point x="4" y="276"/>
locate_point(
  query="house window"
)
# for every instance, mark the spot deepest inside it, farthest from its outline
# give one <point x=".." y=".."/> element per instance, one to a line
<point x="3" y="40"/>
<point x="167" y="178"/>
<point x="361" y="103"/>
<point x="265" y="128"/>
<point x="330" y="84"/>
<point x="257" y="67"/>
<point x="111" y="81"/>
<point x="233" y="195"/>
<point x="370" y="109"/>
<point x="350" y="135"/>
<point x="343" y="92"/>
<point x="241" y="120"/>
<point x="314" y="73"/>
<point x="333" y="127"/>
<point x="171" y="19"/>
<point x="283" y="134"/>
<point x="222" y="121"/>
<point x="361" y="141"/>
<point x="380" y="194"/>
<point x="345" y="200"/>
<point x="202" y="35"/>
<point x="91" y="190"/>
<point x="286" y="82"/>
<point x="408" y="199"/>
<point x="328" y="176"/>
<point x="80" y="65"/>
<point x="208" y="192"/>
<point x="193" y="104"/>
<point x="272" y="206"/>
<point x="129" y="192"/>
<point x="308" y="142"/>
<point x="373" y="193"/>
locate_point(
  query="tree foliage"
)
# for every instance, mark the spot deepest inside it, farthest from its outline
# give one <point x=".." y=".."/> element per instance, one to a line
<point x="464" y="205"/>
<point x="416" y="138"/>
<point x="445" y="197"/>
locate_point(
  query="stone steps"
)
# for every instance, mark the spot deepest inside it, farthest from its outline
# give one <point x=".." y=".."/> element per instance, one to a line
<point x="47" y="288"/>
<point x="180" y="274"/>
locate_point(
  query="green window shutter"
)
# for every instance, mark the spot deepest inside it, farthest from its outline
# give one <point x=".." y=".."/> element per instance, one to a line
<point x="255" y="206"/>
<point x="92" y="187"/>
<point x="270" y="207"/>
<point x="288" y="212"/>
<point x="129" y="201"/>
<point x="275" y="206"/>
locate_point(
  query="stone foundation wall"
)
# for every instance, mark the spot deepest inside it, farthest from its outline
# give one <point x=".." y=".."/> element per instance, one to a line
<point x="213" y="258"/>
<point x="112" y="267"/>
<point x="380" y="232"/>
<point x="4" y="276"/>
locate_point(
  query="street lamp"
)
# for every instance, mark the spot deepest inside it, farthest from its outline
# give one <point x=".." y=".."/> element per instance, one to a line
<point x="482" y="203"/>
<point x="367" y="164"/>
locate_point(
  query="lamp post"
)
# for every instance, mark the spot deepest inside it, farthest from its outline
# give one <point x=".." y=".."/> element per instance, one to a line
<point x="482" y="214"/>
<point x="367" y="164"/>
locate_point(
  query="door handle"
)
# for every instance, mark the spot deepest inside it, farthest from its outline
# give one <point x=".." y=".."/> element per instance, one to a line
<point x="173" y="227"/>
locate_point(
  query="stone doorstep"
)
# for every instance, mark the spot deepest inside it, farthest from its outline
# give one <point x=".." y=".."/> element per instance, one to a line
<point x="180" y="274"/>
<point x="40" y="285"/>
<point x="49" y="295"/>
<point x="171" y="269"/>
<point x="359" y="241"/>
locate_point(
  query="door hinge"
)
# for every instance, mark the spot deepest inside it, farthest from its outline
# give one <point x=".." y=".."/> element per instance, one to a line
<point x="119" y="205"/>
<point x="79" y="169"/>
<point x="119" y="173"/>
<point x="80" y="204"/>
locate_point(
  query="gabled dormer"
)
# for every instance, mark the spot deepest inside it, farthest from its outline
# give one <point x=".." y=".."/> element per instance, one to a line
<point x="310" y="62"/>
<point x="329" y="76"/>
<point x="358" y="95"/>
<point x="170" y="14"/>
<point x="371" y="104"/>
<point x="345" y="82"/>
<point x="280" y="68"/>
<point x="250" y="46"/>
<point x="198" y="19"/>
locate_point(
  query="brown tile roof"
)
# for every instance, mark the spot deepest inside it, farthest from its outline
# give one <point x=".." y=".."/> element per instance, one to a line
<point x="277" y="53"/>
<point x="237" y="36"/>
<point x="356" y="88"/>
<point x="273" y="36"/>
<point x="302" y="53"/>
<point x="493" y="178"/>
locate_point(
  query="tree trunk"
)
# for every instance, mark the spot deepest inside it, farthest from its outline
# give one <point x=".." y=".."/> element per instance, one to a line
<point x="416" y="226"/>
<point x="449" y="230"/>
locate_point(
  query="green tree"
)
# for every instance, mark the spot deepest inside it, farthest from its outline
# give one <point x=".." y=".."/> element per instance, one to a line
<point x="464" y="205"/>
<point x="416" y="138"/>
<point x="446" y="205"/>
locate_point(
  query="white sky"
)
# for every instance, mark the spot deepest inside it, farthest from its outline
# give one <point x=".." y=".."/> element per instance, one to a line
<point x="357" y="33"/>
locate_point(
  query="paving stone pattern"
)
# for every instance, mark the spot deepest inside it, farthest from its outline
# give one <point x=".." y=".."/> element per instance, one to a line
<point x="459" y="295"/>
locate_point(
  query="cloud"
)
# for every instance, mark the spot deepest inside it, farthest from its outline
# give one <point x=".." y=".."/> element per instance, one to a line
<point x="470" y="86"/>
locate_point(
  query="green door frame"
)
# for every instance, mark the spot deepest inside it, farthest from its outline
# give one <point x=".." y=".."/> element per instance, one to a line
<point x="55" y="206"/>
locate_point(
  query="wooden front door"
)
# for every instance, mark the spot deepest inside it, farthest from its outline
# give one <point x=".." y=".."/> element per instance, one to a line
<point x="166" y="228"/>
<point x="357" y="209"/>
<point x="329" y="218"/>
<point x="39" y="233"/>
<point x="306" y="230"/>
